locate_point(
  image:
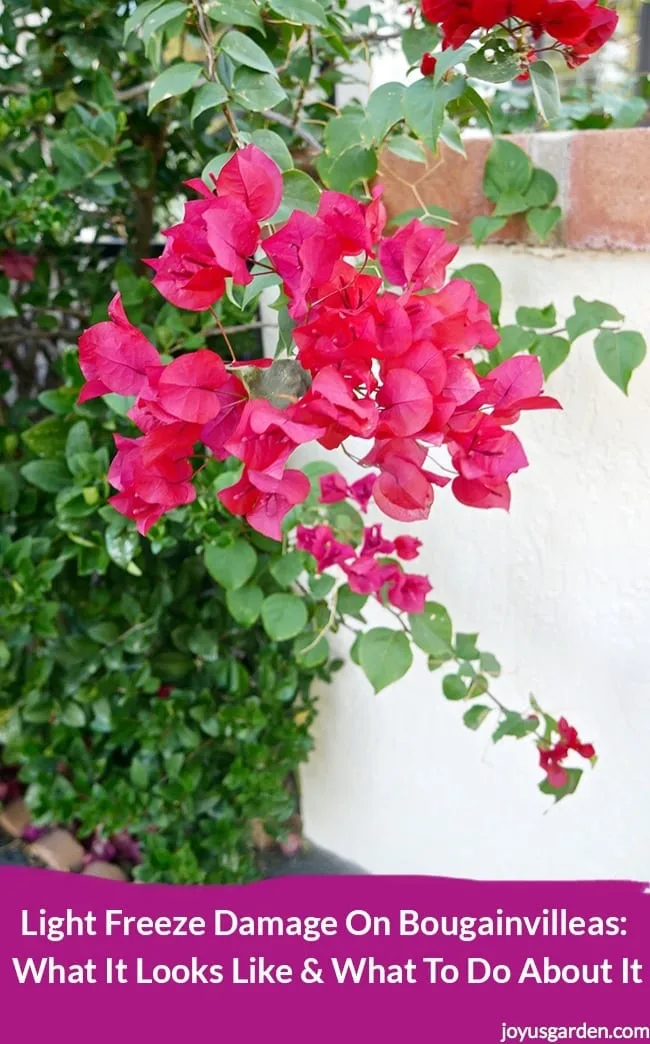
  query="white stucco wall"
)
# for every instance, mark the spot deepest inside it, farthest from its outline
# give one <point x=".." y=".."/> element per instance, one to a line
<point x="559" y="590"/>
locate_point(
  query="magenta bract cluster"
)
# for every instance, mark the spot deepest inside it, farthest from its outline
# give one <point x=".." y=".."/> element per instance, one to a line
<point x="580" y="27"/>
<point x="385" y="344"/>
<point x="552" y="756"/>
<point x="18" y="266"/>
<point x="368" y="570"/>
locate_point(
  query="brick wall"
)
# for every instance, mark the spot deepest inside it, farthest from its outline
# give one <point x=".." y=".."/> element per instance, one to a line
<point x="604" y="186"/>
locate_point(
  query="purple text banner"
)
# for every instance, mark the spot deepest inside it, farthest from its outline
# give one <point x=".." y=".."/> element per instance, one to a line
<point x="332" y="959"/>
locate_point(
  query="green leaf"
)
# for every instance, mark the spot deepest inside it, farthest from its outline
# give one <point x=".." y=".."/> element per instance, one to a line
<point x="489" y="664"/>
<point x="256" y="91"/>
<point x="346" y="522"/>
<point x="407" y="148"/>
<point x="542" y="190"/>
<point x="139" y="773"/>
<point x="283" y="616"/>
<point x="384" y="109"/>
<point x="479" y="104"/>
<point x="508" y="171"/>
<point x="174" y="81"/>
<point x="450" y="135"/>
<point x="300" y="12"/>
<point x="453" y="687"/>
<point x="7" y="307"/>
<point x="245" y="51"/>
<point x="415" y="42"/>
<point x="590" y="315"/>
<point x="46" y="438"/>
<point x="8" y="491"/>
<point x="307" y="653"/>
<point x="78" y="440"/>
<point x="204" y="644"/>
<point x="172" y="666"/>
<point x="245" y="604"/>
<point x="236" y="12"/>
<point x="5" y="655"/>
<point x="58" y="400"/>
<point x="343" y="171"/>
<point x="448" y="59"/>
<point x="232" y="565"/>
<point x="102" y="721"/>
<point x="513" y="340"/>
<point x="510" y="203"/>
<point x="478" y="687"/>
<point x="122" y="545"/>
<point x="120" y="404"/>
<point x="137" y="18"/>
<point x="487" y="286"/>
<point x="105" y="633"/>
<point x="159" y="17"/>
<point x="384" y="656"/>
<point x="466" y="647"/>
<point x="551" y="352"/>
<point x="73" y="716"/>
<point x="539" y="318"/>
<point x="619" y="354"/>
<point x="213" y="167"/>
<point x="261" y="282"/>
<point x="629" y="112"/>
<point x="48" y="475"/>
<point x="423" y="107"/>
<point x="542" y="220"/>
<point x="570" y="787"/>
<point x="320" y="586"/>
<point x="300" y="192"/>
<point x="484" y="226"/>
<point x="516" y="725"/>
<point x="271" y="143"/>
<point x="432" y="631"/>
<point x="546" y="90"/>
<point x="209" y="96"/>
<point x="347" y="131"/>
<point x="288" y="567"/>
<point x="494" y="62"/>
<point x="349" y="603"/>
<point x="475" y="716"/>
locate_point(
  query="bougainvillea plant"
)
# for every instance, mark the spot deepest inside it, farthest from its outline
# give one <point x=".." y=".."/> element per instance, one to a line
<point x="382" y="354"/>
<point x="173" y="699"/>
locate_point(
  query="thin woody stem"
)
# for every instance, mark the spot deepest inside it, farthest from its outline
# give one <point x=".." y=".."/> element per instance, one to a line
<point x="208" y="43"/>
<point x="222" y="331"/>
<point x="303" y="86"/>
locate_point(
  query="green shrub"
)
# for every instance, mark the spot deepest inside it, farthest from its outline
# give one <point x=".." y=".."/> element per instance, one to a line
<point x="137" y="692"/>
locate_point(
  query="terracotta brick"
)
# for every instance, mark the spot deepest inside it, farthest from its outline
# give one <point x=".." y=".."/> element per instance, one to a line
<point x="609" y="191"/>
<point x="14" y="817"/>
<point x="98" y="868"/>
<point x="59" y="850"/>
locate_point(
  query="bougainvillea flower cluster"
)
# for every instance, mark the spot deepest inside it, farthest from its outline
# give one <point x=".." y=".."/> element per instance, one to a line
<point x="383" y="354"/>
<point x="219" y="232"/>
<point x="368" y="570"/>
<point x="580" y="27"/>
<point x="551" y="757"/>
